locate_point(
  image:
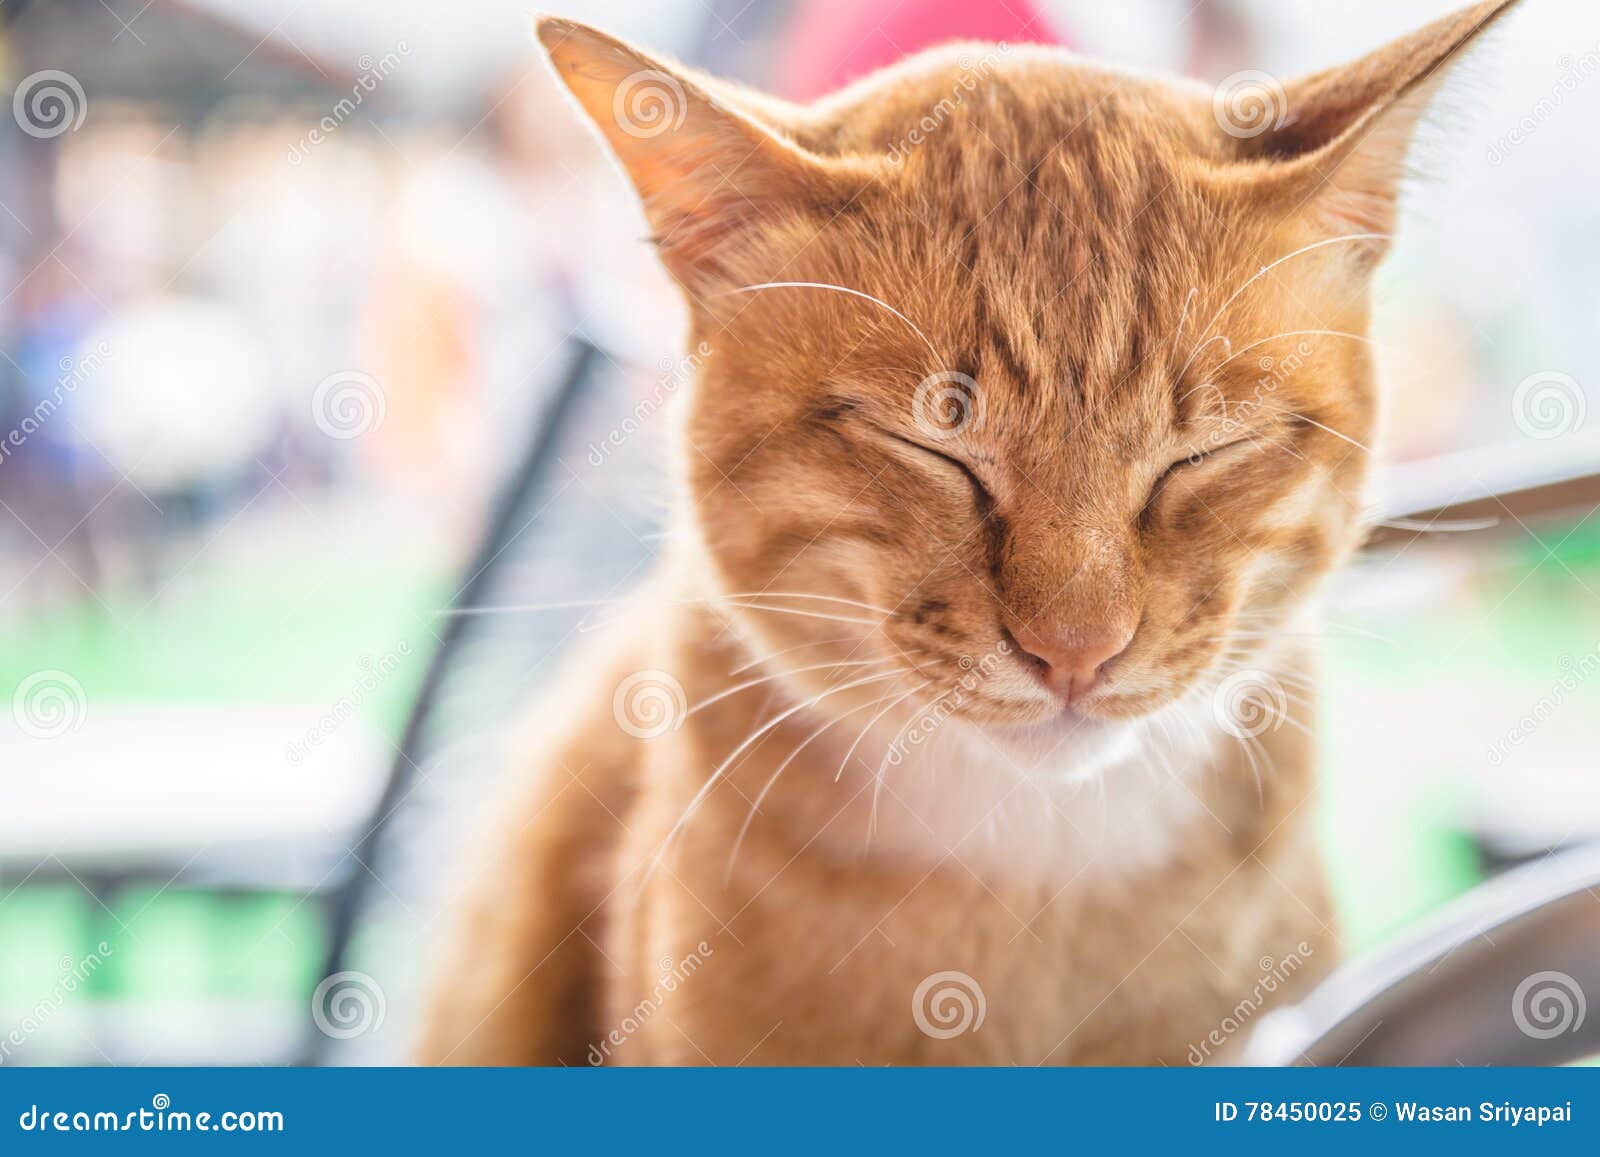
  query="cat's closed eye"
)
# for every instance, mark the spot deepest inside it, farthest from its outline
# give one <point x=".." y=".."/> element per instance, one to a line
<point x="1205" y="456"/>
<point x="1211" y="453"/>
<point x="980" y="491"/>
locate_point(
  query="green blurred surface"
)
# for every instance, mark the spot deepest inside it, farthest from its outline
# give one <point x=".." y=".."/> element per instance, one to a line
<point x="290" y="634"/>
<point x="154" y="943"/>
<point x="232" y="632"/>
<point x="43" y="927"/>
<point x="1391" y="806"/>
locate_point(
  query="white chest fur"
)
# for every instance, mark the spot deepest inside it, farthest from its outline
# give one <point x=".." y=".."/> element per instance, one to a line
<point x="1035" y="806"/>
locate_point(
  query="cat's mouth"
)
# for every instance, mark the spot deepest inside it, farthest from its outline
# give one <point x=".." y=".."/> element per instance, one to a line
<point x="1010" y="696"/>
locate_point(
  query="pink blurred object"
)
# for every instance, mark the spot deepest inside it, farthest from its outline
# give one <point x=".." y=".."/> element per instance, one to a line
<point x="835" y="41"/>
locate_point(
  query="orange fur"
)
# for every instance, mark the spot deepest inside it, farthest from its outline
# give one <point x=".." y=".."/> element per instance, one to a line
<point x="1090" y="367"/>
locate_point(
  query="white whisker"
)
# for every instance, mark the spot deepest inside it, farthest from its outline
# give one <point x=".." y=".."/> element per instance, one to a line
<point x="755" y="804"/>
<point x="1266" y="269"/>
<point x="1177" y="334"/>
<point x="878" y="776"/>
<point x="1194" y="353"/>
<point x="839" y="289"/>
<point x="1276" y="635"/>
<point x="759" y="660"/>
<point x="803" y="614"/>
<point x="1249" y="749"/>
<point x="1276" y="444"/>
<point x="806" y="595"/>
<point x="1335" y="433"/>
<point x="729" y="600"/>
<point x="748" y="683"/>
<point x="1242" y="350"/>
<point x="529" y="608"/>
<point x="871" y="723"/>
<point x="712" y="780"/>
<point x="1270" y="619"/>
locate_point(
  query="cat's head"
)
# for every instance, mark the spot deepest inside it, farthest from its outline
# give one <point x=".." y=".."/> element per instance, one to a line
<point x="1049" y="379"/>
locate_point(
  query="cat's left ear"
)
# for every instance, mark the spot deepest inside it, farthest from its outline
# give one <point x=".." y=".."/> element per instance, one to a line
<point x="1341" y="137"/>
<point x="708" y="173"/>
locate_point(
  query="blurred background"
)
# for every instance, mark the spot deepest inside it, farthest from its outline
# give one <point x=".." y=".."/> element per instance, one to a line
<point x="305" y="302"/>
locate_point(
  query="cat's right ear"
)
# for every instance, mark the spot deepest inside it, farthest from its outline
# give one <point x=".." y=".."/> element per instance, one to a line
<point x="708" y="174"/>
<point x="1340" y="145"/>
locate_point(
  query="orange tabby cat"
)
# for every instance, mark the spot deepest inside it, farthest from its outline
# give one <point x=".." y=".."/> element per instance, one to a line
<point x="1032" y="419"/>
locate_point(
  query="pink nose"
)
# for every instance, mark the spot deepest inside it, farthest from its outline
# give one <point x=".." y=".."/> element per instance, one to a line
<point x="1071" y="660"/>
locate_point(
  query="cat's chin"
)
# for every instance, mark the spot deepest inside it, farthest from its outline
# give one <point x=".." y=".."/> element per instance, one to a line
<point x="1067" y="745"/>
